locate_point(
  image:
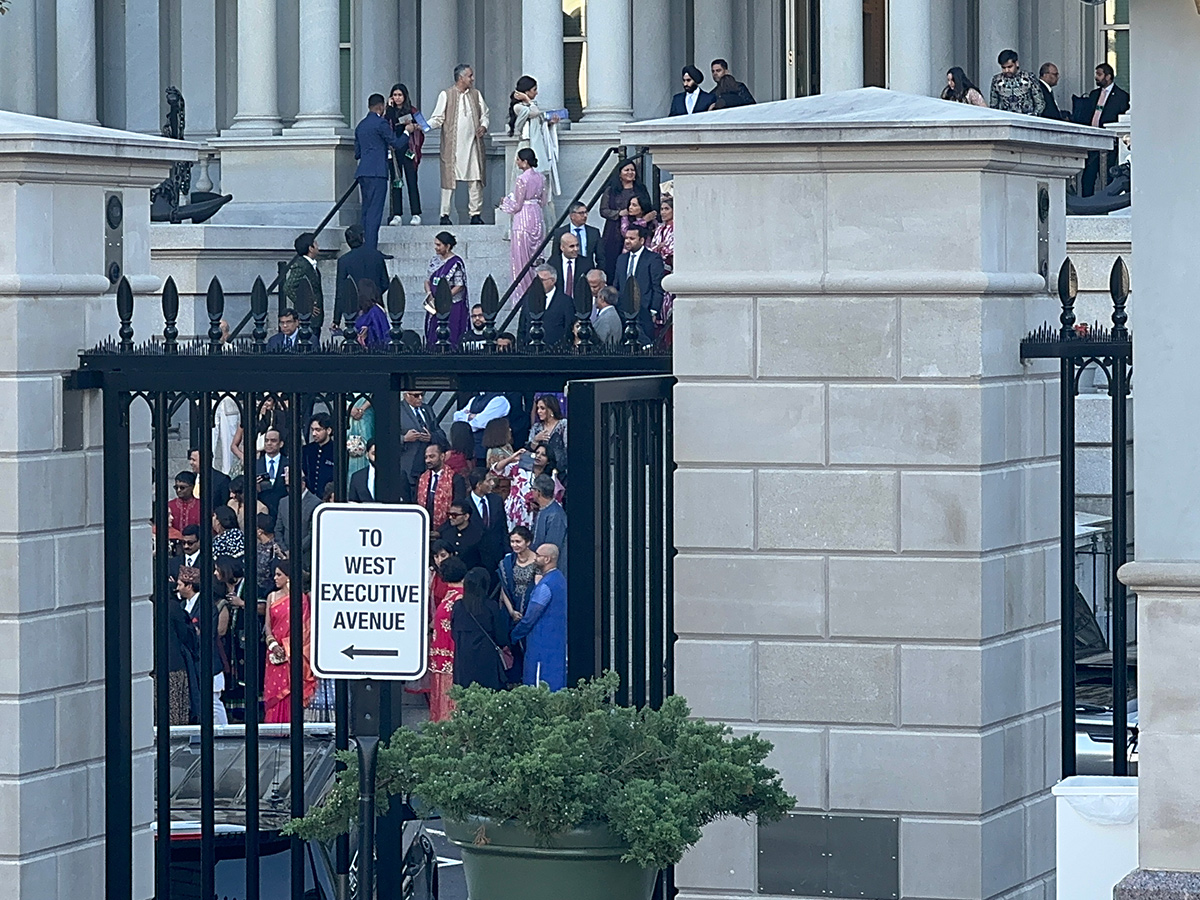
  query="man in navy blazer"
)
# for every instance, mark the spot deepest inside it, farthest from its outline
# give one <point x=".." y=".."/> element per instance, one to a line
<point x="361" y="262"/>
<point x="691" y="99"/>
<point x="646" y="267"/>
<point x="372" y="138"/>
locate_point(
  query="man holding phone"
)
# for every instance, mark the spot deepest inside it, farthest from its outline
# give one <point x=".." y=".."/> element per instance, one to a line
<point x="418" y="429"/>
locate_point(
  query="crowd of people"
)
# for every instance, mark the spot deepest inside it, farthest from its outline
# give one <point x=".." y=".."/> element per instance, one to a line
<point x="494" y="484"/>
<point x="1017" y="91"/>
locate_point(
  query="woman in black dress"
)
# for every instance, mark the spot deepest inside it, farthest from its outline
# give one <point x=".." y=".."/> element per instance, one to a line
<point x="480" y="630"/>
<point x="613" y="206"/>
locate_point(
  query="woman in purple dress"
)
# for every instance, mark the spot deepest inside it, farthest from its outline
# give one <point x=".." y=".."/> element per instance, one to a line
<point x="614" y="205"/>
<point x="448" y="266"/>
<point x="525" y="204"/>
<point x="372" y="322"/>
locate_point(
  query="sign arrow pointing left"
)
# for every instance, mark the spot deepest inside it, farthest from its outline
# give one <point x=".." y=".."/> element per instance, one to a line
<point x="353" y="651"/>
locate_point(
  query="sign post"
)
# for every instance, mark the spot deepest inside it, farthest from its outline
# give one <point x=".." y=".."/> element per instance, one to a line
<point x="369" y="612"/>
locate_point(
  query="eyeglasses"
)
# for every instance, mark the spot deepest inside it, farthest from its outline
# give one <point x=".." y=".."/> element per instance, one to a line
<point x="460" y="515"/>
<point x="183" y="487"/>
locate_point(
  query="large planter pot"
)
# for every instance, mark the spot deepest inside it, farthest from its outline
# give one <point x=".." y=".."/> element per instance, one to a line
<point x="503" y="861"/>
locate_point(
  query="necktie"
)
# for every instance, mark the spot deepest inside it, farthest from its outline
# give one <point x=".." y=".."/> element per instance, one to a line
<point x="432" y="491"/>
<point x="632" y="265"/>
<point x="569" y="287"/>
<point x="579" y="237"/>
<point x="483" y="504"/>
<point x="271" y="469"/>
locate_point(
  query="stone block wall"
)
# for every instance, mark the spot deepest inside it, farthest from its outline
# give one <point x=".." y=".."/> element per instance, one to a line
<point x="867" y="488"/>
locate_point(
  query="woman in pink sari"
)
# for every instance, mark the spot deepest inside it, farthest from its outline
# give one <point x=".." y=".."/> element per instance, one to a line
<point x="441" y="646"/>
<point x="277" y="687"/>
<point x="662" y="242"/>
<point x="525" y="204"/>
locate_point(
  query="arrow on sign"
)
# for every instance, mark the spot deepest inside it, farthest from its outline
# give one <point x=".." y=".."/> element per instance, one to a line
<point x="352" y="652"/>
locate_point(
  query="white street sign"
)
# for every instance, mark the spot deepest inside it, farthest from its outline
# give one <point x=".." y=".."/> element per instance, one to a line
<point x="370" y="593"/>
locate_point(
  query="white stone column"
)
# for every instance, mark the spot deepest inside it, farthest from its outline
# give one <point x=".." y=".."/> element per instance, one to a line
<point x="941" y="42"/>
<point x="75" y="33"/>
<point x="1165" y="37"/>
<point x="18" y="59"/>
<point x="542" y="49"/>
<point x="841" y="45"/>
<point x="378" y="59"/>
<point x="439" y="52"/>
<point x="610" y="35"/>
<point x="198" y="65"/>
<point x="897" y="509"/>
<point x="656" y="80"/>
<point x="144" y="101"/>
<point x="999" y="29"/>
<point x="909" y="46"/>
<point x="320" y="69"/>
<point x="258" y="74"/>
<point x="713" y="30"/>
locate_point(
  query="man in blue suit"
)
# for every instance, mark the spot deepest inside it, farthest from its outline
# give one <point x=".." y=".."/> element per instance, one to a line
<point x="372" y="138"/>
<point x="691" y="99"/>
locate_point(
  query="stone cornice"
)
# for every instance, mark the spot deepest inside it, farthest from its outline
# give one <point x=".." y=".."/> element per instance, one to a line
<point x="1180" y="578"/>
<point x="758" y="282"/>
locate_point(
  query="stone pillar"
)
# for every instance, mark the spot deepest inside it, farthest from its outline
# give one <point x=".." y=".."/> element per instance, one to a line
<point x="144" y="102"/>
<point x="198" y="65"/>
<point x="379" y="57"/>
<point x="258" y="76"/>
<point x="76" y="38"/>
<point x="999" y="29"/>
<point x="18" y="55"/>
<point x="841" y="45"/>
<point x="877" y="594"/>
<point x="713" y="29"/>
<point x="542" y="49"/>
<point x="910" y="46"/>
<point x="610" y="94"/>
<point x="54" y="299"/>
<point x="320" y="69"/>
<point x="653" y="87"/>
<point x="941" y="42"/>
<point x="1166" y="495"/>
<point x="439" y="52"/>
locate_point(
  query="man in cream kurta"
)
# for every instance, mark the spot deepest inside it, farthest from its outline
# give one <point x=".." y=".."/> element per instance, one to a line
<point x="462" y="115"/>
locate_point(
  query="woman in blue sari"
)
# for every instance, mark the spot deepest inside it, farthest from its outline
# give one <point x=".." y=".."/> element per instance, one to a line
<point x="517" y="571"/>
<point x="372" y="322"/>
<point x="447" y="266"/>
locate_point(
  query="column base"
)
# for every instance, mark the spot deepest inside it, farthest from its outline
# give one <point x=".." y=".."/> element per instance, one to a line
<point x="604" y="118"/>
<point x="254" y="126"/>
<point x="324" y="125"/>
<point x="1155" y="884"/>
<point x="290" y="179"/>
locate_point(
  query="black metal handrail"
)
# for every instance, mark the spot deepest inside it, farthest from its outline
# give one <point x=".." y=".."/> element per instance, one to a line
<point x="283" y="270"/>
<point x="621" y="161"/>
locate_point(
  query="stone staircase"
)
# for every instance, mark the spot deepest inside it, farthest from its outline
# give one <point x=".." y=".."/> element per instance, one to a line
<point x="482" y="247"/>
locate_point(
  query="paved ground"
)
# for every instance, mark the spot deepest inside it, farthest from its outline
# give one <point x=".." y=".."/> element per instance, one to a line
<point x="450" y="873"/>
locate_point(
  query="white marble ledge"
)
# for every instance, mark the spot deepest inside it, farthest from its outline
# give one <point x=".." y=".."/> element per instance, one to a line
<point x="1099" y="229"/>
<point x="34" y="135"/>
<point x="1159" y="577"/>
<point x="866" y="115"/>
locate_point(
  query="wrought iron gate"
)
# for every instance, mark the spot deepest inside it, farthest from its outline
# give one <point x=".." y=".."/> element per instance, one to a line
<point x="1080" y="348"/>
<point x="629" y="470"/>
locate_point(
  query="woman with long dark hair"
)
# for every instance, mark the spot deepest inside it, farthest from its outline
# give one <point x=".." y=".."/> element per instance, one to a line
<point x="371" y="324"/>
<point x="614" y="205"/>
<point x="536" y="131"/>
<point x="448" y="266"/>
<point x="401" y="114"/>
<point x="480" y="635"/>
<point x="960" y="89"/>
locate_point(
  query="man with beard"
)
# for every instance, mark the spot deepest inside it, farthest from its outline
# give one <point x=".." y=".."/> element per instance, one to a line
<point x="692" y="99"/>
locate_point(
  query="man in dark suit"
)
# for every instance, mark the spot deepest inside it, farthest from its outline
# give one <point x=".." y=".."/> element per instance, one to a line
<point x="560" y="309"/>
<point x="1047" y="82"/>
<point x="645" y="267"/>
<point x="569" y="269"/>
<point x="691" y="99"/>
<point x="591" y="246"/>
<point x="283" y="522"/>
<point x="304" y="269"/>
<point x="284" y="340"/>
<point x="216" y="479"/>
<point x="361" y="262"/>
<point x="463" y="533"/>
<point x="418" y="429"/>
<point x="362" y="482"/>
<point x="269" y="472"/>
<point x="1107" y="103"/>
<point x="372" y="137"/>
<point x="487" y="509"/>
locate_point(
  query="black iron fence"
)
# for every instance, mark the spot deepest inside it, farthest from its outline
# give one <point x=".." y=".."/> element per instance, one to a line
<point x="1081" y="348"/>
<point x="222" y="792"/>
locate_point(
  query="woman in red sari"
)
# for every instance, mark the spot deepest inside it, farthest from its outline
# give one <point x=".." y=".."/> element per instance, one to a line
<point x="441" y="647"/>
<point x="277" y="687"/>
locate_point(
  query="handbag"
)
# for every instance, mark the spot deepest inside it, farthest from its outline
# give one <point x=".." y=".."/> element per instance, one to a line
<point x="356" y="447"/>
<point x="506" y="657"/>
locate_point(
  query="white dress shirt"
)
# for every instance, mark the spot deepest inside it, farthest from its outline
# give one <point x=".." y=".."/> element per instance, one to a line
<point x="497" y="407"/>
<point x="1101" y="101"/>
<point x="632" y="263"/>
<point x="689" y="100"/>
<point x="580" y="233"/>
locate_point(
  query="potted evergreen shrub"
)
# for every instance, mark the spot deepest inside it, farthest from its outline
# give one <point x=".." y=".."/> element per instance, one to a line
<point x="565" y="794"/>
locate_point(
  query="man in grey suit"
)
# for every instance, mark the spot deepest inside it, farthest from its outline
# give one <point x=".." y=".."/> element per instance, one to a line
<point x="550" y="526"/>
<point x="608" y="325"/>
<point x="419" y="429"/>
<point x="591" y="247"/>
<point x="283" y="522"/>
